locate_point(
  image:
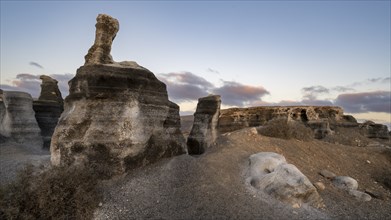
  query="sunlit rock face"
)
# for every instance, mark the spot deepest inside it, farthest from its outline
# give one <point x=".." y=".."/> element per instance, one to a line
<point x="323" y="120"/>
<point x="48" y="108"/>
<point x="17" y="120"/>
<point x="204" y="130"/>
<point x="237" y="118"/>
<point x="117" y="116"/>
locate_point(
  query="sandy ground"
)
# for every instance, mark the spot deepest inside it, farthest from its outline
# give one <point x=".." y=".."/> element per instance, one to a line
<point x="14" y="156"/>
<point x="215" y="185"/>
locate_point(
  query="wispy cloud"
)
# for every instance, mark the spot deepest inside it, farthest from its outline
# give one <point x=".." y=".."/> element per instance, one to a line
<point x="36" y="64"/>
<point x="312" y="92"/>
<point x="378" y="101"/>
<point x="212" y="71"/>
<point x="342" y="89"/>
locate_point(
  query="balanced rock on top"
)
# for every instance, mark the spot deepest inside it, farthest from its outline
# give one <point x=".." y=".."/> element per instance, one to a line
<point x="106" y="30"/>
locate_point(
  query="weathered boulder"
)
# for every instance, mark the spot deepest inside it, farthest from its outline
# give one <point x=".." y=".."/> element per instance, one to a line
<point x="204" y="132"/>
<point x="17" y="120"/>
<point x="270" y="173"/>
<point x="350" y="185"/>
<point x="48" y="108"/>
<point x="345" y="182"/>
<point x="372" y="130"/>
<point x="117" y="117"/>
<point x="106" y="30"/>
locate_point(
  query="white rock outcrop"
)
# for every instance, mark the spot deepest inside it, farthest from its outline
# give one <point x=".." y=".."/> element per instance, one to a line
<point x="271" y="173"/>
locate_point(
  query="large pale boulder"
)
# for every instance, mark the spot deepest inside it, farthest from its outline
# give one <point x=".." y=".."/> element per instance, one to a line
<point x="17" y="120"/>
<point x="271" y="173"/>
<point x="117" y="116"/>
<point x="48" y="108"/>
<point x="204" y="131"/>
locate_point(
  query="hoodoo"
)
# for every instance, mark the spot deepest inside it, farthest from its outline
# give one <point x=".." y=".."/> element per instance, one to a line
<point x="204" y="130"/>
<point x="17" y="119"/>
<point x="117" y="115"/>
<point x="48" y="108"/>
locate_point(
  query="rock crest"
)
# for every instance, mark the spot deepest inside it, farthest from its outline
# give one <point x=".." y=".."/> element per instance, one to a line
<point x="106" y="30"/>
<point x="204" y="130"/>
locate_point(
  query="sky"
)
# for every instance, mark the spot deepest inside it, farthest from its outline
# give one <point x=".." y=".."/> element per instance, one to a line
<point x="252" y="53"/>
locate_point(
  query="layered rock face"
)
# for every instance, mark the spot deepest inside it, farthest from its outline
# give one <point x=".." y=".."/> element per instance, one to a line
<point x="17" y="120"/>
<point x="116" y="116"/>
<point x="106" y="30"/>
<point x="204" y="130"/>
<point x="237" y="118"/>
<point x="373" y="130"/>
<point x="271" y="173"/>
<point x="48" y="108"/>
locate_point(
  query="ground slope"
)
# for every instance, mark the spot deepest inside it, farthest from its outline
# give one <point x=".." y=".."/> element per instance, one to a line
<point x="214" y="185"/>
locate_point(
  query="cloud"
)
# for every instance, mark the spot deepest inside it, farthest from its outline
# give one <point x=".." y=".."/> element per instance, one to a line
<point x="342" y="89"/>
<point x="212" y="70"/>
<point x="31" y="84"/>
<point x="236" y="94"/>
<point x="309" y="102"/>
<point x="36" y="64"/>
<point x="312" y="92"/>
<point x="185" y="86"/>
<point x="378" y="101"/>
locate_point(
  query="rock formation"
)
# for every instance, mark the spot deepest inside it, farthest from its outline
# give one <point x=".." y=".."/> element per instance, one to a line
<point x="106" y="30"/>
<point x="373" y="130"/>
<point x="116" y="116"/>
<point x="204" y="132"/>
<point x="17" y="119"/>
<point x="237" y="118"/>
<point x="323" y="120"/>
<point x="271" y="173"/>
<point x="48" y="108"/>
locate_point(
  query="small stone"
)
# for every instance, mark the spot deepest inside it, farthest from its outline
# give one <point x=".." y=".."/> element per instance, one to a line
<point x="296" y="206"/>
<point x="345" y="182"/>
<point x="253" y="131"/>
<point x="319" y="186"/>
<point x="360" y="195"/>
<point x="100" y="204"/>
<point x="327" y="174"/>
<point x="375" y="194"/>
<point x="368" y="162"/>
